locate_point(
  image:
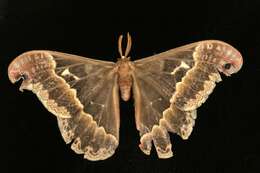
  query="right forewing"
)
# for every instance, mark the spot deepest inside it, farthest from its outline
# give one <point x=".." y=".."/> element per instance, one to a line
<point x="168" y="88"/>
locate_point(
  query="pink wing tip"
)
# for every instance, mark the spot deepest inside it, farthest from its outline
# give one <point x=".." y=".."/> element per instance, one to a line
<point x="14" y="73"/>
<point x="231" y="59"/>
<point x="239" y="61"/>
<point x="21" y="67"/>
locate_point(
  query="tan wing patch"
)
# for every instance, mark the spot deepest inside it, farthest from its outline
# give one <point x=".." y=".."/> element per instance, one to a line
<point x="173" y="120"/>
<point x="51" y="105"/>
<point x="182" y="65"/>
<point x="195" y="87"/>
<point x="177" y="121"/>
<point x="161" y="140"/>
<point x="66" y="72"/>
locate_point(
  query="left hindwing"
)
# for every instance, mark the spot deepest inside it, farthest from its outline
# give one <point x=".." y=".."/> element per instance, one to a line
<point x="168" y="88"/>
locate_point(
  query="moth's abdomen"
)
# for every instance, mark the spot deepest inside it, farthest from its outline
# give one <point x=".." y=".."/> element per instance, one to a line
<point x="125" y="79"/>
<point x="125" y="84"/>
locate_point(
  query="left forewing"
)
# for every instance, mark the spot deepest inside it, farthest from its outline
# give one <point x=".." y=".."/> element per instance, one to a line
<point x="81" y="92"/>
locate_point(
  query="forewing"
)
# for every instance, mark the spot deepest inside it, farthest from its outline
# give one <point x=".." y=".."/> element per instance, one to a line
<point x="168" y="88"/>
<point x="81" y="92"/>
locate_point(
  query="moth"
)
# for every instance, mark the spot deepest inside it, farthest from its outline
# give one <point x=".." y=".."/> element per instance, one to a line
<point x="84" y="93"/>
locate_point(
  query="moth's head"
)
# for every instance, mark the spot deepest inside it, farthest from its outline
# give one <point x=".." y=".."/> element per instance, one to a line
<point x="128" y="47"/>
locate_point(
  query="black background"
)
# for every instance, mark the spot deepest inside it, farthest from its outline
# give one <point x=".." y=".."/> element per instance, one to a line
<point x="226" y="134"/>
